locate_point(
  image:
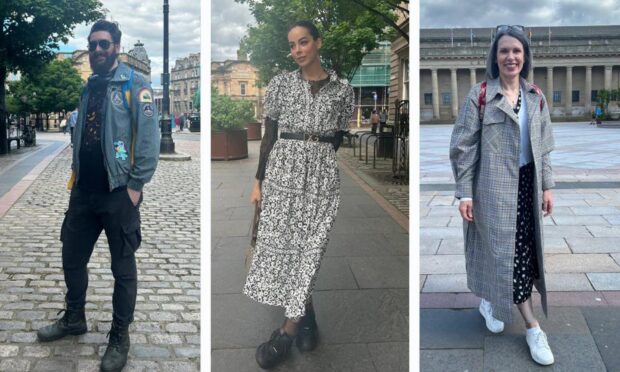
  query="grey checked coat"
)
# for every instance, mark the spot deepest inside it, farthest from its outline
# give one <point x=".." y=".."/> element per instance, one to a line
<point x="485" y="163"/>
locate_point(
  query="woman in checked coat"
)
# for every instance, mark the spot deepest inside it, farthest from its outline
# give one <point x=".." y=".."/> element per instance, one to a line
<point x="499" y="152"/>
<point x="298" y="188"/>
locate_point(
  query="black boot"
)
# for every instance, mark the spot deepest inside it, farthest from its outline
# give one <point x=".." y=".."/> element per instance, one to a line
<point x="274" y="351"/>
<point x="308" y="332"/>
<point x="73" y="322"/>
<point x="115" y="355"/>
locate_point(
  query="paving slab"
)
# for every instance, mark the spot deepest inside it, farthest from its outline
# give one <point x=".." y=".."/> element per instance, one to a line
<point x="579" y="263"/>
<point x="380" y="272"/>
<point x="594" y="245"/>
<point x="510" y="353"/>
<point x="604" y="324"/>
<point x="451" y="360"/>
<point x="429" y="246"/>
<point x="446" y="283"/>
<point x="605" y="281"/>
<point x="451" y="329"/>
<point x="442" y="264"/>
<point x="451" y="246"/>
<point x="390" y="356"/>
<point x="567" y="282"/>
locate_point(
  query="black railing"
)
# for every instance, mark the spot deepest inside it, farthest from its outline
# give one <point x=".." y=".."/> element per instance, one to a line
<point x="400" y="158"/>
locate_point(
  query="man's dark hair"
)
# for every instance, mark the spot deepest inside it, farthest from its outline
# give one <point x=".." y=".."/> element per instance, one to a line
<point x="111" y="27"/>
<point x="308" y="26"/>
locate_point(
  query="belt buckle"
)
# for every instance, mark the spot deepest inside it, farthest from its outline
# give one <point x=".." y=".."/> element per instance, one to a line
<point x="312" y="138"/>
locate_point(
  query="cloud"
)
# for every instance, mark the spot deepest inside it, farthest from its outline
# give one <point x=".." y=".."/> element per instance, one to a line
<point x="144" y="21"/>
<point x="482" y="13"/>
<point x="229" y="22"/>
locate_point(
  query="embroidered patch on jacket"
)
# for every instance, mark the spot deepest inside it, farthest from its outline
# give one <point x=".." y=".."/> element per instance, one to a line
<point x="120" y="150"/>
<point x="148" y="111"/>
<point x="117" y="98"/>
<point x="145" y="96"/>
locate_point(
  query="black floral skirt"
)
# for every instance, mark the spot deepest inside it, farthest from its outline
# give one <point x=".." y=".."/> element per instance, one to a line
<point x="525" y="265"/>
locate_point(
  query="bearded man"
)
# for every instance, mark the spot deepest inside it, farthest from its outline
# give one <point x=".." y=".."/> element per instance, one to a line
<point x="115" y="152"/>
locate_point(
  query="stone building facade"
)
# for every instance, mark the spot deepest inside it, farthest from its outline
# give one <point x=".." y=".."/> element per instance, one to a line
<point x="184" y="83"/>
<point x="238" y="79"/>
<point x="137" y="58"/>
<point x="399" y="66"/>
<point x="571" y="64"/>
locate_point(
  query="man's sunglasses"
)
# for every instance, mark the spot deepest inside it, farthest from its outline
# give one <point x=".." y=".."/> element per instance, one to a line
<point x="505" y="28"/>
<point x="104" y="44"/>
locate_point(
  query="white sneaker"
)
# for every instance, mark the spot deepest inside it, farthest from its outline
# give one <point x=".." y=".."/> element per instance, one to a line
<point x="493" y="325"/>
<point x="539" y="348"/>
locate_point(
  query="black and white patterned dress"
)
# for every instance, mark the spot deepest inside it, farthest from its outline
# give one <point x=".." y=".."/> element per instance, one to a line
<point x="300" y="191"/>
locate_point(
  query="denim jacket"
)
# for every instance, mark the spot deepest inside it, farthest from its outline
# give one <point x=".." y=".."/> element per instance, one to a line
<point x="130" y="132"/>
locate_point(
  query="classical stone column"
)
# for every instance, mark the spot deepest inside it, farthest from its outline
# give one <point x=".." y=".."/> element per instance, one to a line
<point x="608" y="77"/>
<point x="472" y="77"/>
<point x="568" y="104"/>
<point x="550" y="87"/>
<point x="530" y="75"/>
<point x="588" y="97"/>
<point x="435" y="83"/>
<point x="455" y="93"/>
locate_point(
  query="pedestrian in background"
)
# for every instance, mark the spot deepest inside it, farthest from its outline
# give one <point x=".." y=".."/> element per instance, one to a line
<point x="500" y="154"/>
<point x="115" y="152"/>
<point x="374" y="121"/>
<point x="72" y="120"/>
<point x="383" y="117"/>
<point x="298" y="189"/>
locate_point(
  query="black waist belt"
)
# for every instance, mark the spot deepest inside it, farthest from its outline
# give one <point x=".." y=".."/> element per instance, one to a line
<point x="307" y="137"/>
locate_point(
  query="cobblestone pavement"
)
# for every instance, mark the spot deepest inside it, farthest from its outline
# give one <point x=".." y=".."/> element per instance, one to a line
<point x="165" y="335"/>
<point x="379" y="178"/>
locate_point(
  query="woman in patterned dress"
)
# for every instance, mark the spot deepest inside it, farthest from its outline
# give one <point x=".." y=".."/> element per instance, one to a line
<point x="500" y="153"/>
<point x="298" y="188"/>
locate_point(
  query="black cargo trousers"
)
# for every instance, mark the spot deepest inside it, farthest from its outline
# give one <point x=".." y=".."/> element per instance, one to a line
<point x="88" y="214"/>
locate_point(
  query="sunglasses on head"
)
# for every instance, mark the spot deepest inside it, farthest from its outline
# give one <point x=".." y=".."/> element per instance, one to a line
<point x="506" y="28"/>
<point x="104" y="44"/>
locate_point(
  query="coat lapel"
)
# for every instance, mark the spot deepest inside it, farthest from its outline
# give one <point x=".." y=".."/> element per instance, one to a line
<point x="494" y="91"/>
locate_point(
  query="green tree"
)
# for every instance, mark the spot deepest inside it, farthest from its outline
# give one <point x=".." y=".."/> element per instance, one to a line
<point x="55" y="89"/>
<point x="348" y="30"/>
<point x="32" y="31"/>
<point x="227" y="113"/>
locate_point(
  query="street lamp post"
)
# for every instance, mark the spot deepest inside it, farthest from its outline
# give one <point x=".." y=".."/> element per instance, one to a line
<point x="166" y="144"/>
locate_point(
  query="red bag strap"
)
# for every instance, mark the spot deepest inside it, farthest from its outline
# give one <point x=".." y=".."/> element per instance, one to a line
<point x="482" y="99"/>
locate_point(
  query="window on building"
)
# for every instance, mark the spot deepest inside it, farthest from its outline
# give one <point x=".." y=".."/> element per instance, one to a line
<point x="404" y="64"/>
<point x="594" y="95"/>
<point x="446" y="98"/>
<point x="557" y="96"/>
<point x="243" y="86"/>
<point x="428" y="98"/>
<point x="575" y="96"/>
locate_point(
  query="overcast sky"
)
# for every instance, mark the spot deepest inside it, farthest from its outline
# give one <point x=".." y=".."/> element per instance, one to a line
<point x="229" y="21"/>
<point x="485" y="13"/>
<point x="143" y="20"/>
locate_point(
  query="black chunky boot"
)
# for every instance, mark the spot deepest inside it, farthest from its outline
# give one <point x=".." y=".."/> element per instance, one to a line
<point x="274" y="351"/>
<point x="115" y="356"/>
<point x="308" y="332"/>
<point x="73" y="322"/>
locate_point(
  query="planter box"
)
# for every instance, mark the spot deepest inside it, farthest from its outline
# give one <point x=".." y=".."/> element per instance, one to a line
<point x="229" y="144"/>
<point x="254" y="131"/>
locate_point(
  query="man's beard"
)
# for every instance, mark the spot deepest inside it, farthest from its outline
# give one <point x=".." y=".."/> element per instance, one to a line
<point x="103" y="67"/>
